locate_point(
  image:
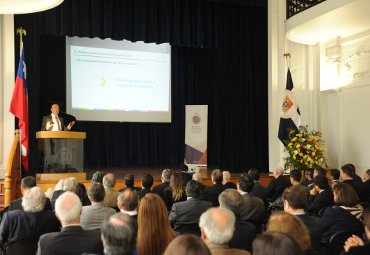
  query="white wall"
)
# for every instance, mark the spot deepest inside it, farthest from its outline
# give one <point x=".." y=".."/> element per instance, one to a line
<point x="6" y="88"/>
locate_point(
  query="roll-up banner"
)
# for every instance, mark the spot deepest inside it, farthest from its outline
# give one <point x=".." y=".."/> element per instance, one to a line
<point x="196" y="124"/>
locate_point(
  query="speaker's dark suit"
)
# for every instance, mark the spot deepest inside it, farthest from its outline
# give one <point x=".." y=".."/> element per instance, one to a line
<point x="17" y="205"/>
<point x="47" y="118"/>
<point x="188" y="212"/>
<point x="20" y="225"/>
<point x="322" y="200"/>
<point x="159" y="189"/>
<point x="337" y="219"/>
<point x="211" y="193"/>
<point x="71" y="240"/>
<point x="277" y="187"/>
<point x="314" y="228"/>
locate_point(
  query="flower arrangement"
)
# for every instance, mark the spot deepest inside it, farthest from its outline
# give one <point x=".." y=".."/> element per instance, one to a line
<point x="305" y="149"/>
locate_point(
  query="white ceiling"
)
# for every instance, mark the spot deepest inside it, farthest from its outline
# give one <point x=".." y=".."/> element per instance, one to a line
<point x="329" y="20"/>
<point x="26" y="6"/>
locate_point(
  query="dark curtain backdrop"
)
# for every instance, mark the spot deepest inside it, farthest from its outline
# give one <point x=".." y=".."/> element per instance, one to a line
<point x="219" y="58"/>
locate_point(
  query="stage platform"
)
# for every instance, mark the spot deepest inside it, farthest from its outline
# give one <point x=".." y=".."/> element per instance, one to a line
<point x="46" y="181"/>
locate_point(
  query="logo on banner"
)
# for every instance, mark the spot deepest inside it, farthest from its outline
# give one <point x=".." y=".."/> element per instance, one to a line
<point x="196" y="118"/>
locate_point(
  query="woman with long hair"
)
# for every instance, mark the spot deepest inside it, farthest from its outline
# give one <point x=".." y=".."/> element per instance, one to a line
<point x="175" y="192"/>
<point x="154" y="229"/>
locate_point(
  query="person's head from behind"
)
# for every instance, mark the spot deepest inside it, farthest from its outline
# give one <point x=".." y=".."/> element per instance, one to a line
<point x="155" y="231"/>
<point x="226" y="176"/>
<point x="129" y="180"/>
<point x="319" y="170"/>
<point x="278" y="171"/>
<point x="81" y="191"/>
<point x="275" y="243"/>
<point x="334" y="175"/>
<point x="245" y="183"/>
<point x="68" y="208"/>
<point x="321" y="182"/>
<point x="176" y="185"/>
<point x="34" y="200"/>
<point x="187" y="244"/>
<point x="367" y="175"/>
<point x="345" y="195"/>
<point x="348" y="172"/>
<point x="231" y="199"/>
<point x="118" y="235"/>
<point x="27" y="183"/>
<point x="197" y="177"/>
<point x="217" y="225"/>
<point x="109" y="180"/>
<point x="54" y="109"/>
<point x="96" y="193"/>
<point x="295" y="198"/>
<point x="216" y="176"/>
<point x="166" y="175"/>
<point x="70" y="184"/>
<point x="128" y="200"/>
<point x="295" y="177"/>
<point x="147" y="181"/>
<point x="193" y="189"/>
<point x="254" y="173"/>
<point x="292" y="226"/>
<point x="97" y="177"/>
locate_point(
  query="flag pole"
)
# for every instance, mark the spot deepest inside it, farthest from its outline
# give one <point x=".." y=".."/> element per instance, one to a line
<point x="20" y="31"/>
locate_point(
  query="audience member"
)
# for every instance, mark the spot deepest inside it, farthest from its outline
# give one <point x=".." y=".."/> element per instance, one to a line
<point x="355" y="245"/>
<point x="20" y="230"/>
<point x="69" y="184"/>
<point x="118" y="235"/>
<point x="146" y="185"/>
<point x="295" y="177"/>
<point x="355" y="176"/>
<point x="339" y="217"/>
<point x="348" y="174"/>
<point x="110" y="199"/>
<point x="295" y="203"/>
<point x="82" y="194"/>
<point x="127" y="202"/>
<point x="26" y="184"/>
<point x="345" y="196"/>
<point x="129" y="183"/>
<point x="245" y="232"/>
<point x="367" y="186"/>
<point x="292" y="226"/>
<point x="211" y="193"/>
<point x="93" y="215"/>
<point x="185" y="175"/>
<point x="319" y="170"/>
<point x="333" y="176"/>
<point x="217" y="229"/>
<point x="72" y="239"/>
<point x="184" y="216"/>
<point x="97" y="177"/>
<point x="198" y="177"/>
<point x="275" y="243"/>
<point x="309" y="178"/>
<point x="278" y="185"/>
<point x="187" y="244"/>
<point x="253" y="208"/>
<point x="258" y="190"/>
<point x="175" y="192"/>
<point x="165" y="177"/>
<point x="154" y="229"/>
<point x="226" y="176"/>
<point x="321" y="196"/>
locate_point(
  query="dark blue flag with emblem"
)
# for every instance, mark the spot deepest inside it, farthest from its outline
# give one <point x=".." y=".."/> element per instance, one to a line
<point x="290" y="118"/>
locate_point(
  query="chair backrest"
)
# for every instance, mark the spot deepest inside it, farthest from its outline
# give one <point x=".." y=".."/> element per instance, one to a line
<point x="337" y="240"/>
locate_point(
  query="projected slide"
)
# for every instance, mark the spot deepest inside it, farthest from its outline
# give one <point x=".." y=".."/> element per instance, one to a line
<point x="110" y="84"/>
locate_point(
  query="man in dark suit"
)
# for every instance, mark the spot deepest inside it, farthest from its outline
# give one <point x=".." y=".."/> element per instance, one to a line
<point x="186" y="214"/>
<point x="54" y="122"/>
<point x="258" y="190"/>
<point x="127" y="203"/>
<point x="333" y="176"/>
<point x="295" y="202"/>
<point x="348" y="176"/>
<point x="321" y="196"/>
<point x="226" y="176"/>
<point x="355" y="176"/>
<point x="159" y="189"/>
<point x="129" y="183"/>
<point x="146" y="184"/>
<point x="211" y="193"/>
<point x="72" y="239"/>
<point x="26" y="184"/>
<point x="245" y="232"/>
<point x="21" y="229"/>
<point x="278" y="185"/>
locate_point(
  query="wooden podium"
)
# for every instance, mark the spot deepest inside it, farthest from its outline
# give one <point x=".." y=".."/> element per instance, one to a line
<point x="61" y="151"/>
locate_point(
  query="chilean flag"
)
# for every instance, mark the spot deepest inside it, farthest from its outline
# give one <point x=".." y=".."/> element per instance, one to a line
<point x="19" y="107"/>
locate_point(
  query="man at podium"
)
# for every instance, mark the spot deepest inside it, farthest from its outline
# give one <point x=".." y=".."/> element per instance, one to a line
<point x="54" y="122"/>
